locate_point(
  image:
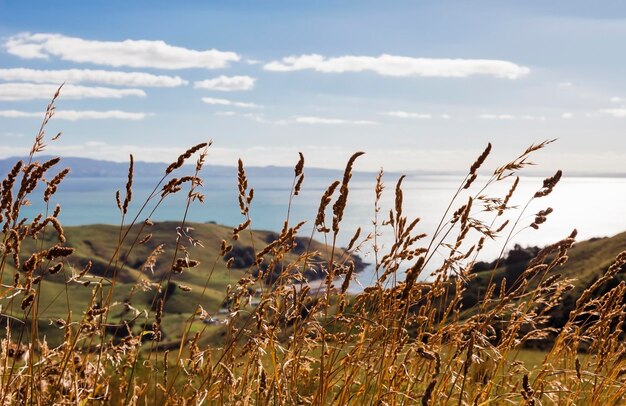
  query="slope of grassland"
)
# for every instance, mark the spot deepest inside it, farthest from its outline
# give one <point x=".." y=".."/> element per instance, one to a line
<point x="205" y="284"/>
<point x="587" y="262"/>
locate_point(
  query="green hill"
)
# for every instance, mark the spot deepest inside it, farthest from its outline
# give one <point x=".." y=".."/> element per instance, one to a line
<point x="206" y="284"/>
<point x="587" y="262"/>
<point x="136" y="282"/>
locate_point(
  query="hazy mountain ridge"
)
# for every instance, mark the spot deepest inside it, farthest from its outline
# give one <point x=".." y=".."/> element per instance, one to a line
<point x="87" y="168"/>
<point x="90" y="168"/>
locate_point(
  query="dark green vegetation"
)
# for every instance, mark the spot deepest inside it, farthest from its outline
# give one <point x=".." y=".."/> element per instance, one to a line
<point x="587" y="262"/>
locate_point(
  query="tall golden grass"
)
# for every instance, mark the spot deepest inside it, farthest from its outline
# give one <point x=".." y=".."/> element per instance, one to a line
<point x="400" y="343"/>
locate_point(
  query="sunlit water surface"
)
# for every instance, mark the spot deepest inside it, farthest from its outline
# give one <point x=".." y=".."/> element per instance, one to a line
<point x="596" y="207"/>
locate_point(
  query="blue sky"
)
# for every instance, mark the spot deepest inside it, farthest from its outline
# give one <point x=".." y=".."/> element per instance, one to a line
<point x="416" y="85"/>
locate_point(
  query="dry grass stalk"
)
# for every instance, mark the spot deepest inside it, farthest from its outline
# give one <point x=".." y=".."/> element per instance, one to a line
<point x="403" y="340"/>
<point x="184" y="156"/>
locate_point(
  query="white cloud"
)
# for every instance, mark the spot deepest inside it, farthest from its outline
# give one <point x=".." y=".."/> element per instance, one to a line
<point x="133" y="53"/>
<point x="496" y="117"/>
<point x="32" y="91"/>
<point x="74" y="115"/>
<point x="567" y="115"/>
<point x="390" y="65"/>
<point x="18" y="114"/>
<point x="114" y="78"/>
<point x="259" y="118"/>
<point x="226" y="102"/>
<point x="406" y="114"/>
<point x="530" y="117"/>
<point x="510" y="117"/>
<point x="446" y="116"/>
<point x="616" y="99"/>
<point x="565" y="84"/>
<point x="619" y="113"/>
<point x="226" y="83"/>
<point x="101" y="150"/>
<point x="324" y="120"/>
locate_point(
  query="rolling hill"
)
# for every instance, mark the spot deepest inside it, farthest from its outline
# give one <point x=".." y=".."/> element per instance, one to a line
<point x="587" y="262"/>
<point x="136" y="279"/>
<point x="207" y="283"/>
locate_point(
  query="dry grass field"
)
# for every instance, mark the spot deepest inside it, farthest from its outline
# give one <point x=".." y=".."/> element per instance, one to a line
<point x="131" y="314"/>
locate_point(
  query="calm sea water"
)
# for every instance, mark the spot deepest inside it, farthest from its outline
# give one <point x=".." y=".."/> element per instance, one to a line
<point x="594" y="206"/>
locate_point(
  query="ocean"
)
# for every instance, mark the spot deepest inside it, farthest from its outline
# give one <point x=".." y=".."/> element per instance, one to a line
<point x="596" y="207"/>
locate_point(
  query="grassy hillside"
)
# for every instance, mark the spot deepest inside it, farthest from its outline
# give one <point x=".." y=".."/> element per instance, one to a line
<point x="205" y="284"/>
<point x="587" y="261"/>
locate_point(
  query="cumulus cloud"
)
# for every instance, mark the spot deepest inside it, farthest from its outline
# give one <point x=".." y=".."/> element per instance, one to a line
<point x="510" y="117"/>
<point x="619" y="113"/>
<point x="399" y="66"/>
<point x="75" y="115"/>
<point x="226" y="102"/>
<point x="324" y="120"/>
<point x="32" y="91"/>
<point x="114" y="78"/>
<point x="133" y="53"/>
<point x="102" y="150"/>
<point x="226" y="83"/>
<point x="406" y="114"/>
<point x="496" y="116"/>
<point x="259" y="118"/>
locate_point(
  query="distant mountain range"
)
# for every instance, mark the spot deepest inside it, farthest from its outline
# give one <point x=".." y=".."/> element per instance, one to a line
<point x="89" y="168"/>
